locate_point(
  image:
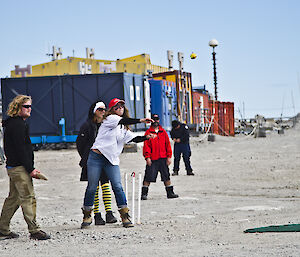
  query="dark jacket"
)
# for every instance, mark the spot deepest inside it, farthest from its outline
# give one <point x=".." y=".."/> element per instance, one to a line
<point x="86" y="138"/>
<point x="17" y="144"/>
<point x="182" y="132"/>
<point x="159" y="147"/>
<point x="84" y="142"/>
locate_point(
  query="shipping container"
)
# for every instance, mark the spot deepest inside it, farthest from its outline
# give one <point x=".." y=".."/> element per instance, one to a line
<point x="70" y="96"/>
<point x="183" y="84"/>
<point x="163" y="101"/>
<point x="223" y="113"/>
<point x="200" y="110"/>
<point x="229" y="118"/>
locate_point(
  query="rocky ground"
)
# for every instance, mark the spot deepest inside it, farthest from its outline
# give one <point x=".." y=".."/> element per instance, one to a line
<point x="240" y="183"/>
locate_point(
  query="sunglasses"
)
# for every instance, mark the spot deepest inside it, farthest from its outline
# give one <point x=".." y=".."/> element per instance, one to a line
<point x="101" y="109"/>
<point x="155" y="118"/>
<point x="27" y="106"/>
<point x="118" y="107"/>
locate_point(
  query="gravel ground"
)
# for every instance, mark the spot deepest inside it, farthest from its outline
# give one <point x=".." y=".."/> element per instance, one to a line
<point x="240" y="183"/>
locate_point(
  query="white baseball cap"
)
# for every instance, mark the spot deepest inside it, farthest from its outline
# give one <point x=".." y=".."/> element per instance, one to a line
<point x="99" y="105"/>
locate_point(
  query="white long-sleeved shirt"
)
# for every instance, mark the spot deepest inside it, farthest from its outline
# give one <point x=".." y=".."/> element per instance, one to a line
<point x="111" y="138"/>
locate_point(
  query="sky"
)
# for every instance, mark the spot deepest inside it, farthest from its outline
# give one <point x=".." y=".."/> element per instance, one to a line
<point x="258" y="56"/>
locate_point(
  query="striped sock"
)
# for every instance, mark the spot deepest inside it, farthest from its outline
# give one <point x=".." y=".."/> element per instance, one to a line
<point x="96" y="201"/>
<point x="106" y="195"/>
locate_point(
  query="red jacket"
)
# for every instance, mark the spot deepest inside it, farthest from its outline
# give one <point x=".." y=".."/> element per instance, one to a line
<point x="159" y="147"/>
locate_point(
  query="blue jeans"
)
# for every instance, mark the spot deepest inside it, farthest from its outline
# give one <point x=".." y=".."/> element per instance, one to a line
<point x="96" y="164"/>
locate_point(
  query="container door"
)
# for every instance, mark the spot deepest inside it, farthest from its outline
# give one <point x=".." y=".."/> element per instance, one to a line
<point x="169" y="99"/>
<point x="156" y="97"/>
<point x="139" y="99"/>
<point x="129" y="95"/>
<point x="46" y="102"/>
<point x="174" y="102"/>
<point x="231" y="118"/>
<point x="221" y="119"/>
<point x="165" y="103"/>
<point x="200" y="111"/>
<point x="79" y="92"/>
<point x="147" y="99"/>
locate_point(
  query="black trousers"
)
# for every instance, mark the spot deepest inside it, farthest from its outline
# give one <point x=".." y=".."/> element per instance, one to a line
<point x="159" y="165"/>
<point x="185" y="150"/>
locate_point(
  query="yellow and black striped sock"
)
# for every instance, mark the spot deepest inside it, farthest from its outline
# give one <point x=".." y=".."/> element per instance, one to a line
<point x="96" y="201"/>
<point x="106" y="195"/>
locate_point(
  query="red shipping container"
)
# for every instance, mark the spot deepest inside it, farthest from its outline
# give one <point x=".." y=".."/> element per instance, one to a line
<point x="223" y="117"/>
<point x="200" y="110"/>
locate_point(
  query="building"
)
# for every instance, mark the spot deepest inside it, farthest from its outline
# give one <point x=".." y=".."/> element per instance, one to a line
<point x="139" y="64"/>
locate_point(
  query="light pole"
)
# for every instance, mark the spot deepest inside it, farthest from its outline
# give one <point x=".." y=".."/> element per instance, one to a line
<point x="214" y="43"/>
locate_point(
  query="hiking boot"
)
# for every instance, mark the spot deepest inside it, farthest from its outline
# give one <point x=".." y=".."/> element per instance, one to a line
<point x="110" y="218"/>
<point x="11" y="235"/>
<point x="190" y="173"/>
<point x="98" y="219"/>
<point x="87" y="218"/>
<point x="170" y="192"/>
<point x="125" y="218"/>
<point x="40" y="235"/>
<point x="144" y="195"/>
<point x="175" y="173"/>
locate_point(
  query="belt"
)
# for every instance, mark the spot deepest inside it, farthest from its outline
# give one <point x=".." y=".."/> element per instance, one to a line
<point x="96" y="151"/>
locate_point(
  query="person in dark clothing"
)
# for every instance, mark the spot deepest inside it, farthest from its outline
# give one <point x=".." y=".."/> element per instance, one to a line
<point x="157" y="153"/>
<point x="84" y="142"/>
<point x="180" y="135"/>
<point x="20" y="169"/>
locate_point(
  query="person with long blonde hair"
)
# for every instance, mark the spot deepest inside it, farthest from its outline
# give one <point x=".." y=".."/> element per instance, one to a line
<point x="20" y="169"/>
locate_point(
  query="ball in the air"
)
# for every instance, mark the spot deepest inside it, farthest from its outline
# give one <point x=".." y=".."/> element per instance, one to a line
<point x="193" y="56"/>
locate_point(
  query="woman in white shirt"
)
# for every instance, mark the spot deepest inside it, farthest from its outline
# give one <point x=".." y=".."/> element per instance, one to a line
<point x="104" y="155"/>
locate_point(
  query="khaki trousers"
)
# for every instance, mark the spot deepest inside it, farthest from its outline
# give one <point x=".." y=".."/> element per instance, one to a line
<point x="21" y="193"/>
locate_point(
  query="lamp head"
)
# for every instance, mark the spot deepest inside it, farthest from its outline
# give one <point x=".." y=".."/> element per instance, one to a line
<point x="213" y="43"/>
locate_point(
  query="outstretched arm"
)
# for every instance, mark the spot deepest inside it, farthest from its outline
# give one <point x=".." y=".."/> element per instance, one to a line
<point x="139" y="139"/>
<point x="131" y="121"/>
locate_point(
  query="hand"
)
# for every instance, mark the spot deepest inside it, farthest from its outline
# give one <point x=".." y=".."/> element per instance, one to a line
<point x="151" y="136"/>
<point x="34" y="173"/>
<point x="178" y="140"/>
<point x="146" y="120"/>
<point x="168" y="161"/>
<point x="148" y="161"/>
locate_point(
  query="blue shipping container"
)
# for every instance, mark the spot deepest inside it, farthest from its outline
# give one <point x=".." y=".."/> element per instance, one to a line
<point x="70" y="97"/>
<point x="164" y="101"/>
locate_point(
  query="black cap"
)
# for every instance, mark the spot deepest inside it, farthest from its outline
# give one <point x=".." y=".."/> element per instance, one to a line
<point x="175" y="123"/>
<point x="155" y="116"/>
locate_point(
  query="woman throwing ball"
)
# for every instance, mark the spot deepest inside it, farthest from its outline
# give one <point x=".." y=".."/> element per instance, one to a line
<point x="104" y="156"/>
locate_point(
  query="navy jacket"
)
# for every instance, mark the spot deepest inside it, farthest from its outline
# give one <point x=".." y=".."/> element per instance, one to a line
<point x="182" y="132"/>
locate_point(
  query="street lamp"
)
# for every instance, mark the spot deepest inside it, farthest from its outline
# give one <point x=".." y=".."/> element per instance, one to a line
<point x="214" y="43"/>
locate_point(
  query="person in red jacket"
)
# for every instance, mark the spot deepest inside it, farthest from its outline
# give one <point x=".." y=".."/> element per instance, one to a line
<point x="157" y="152"/>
